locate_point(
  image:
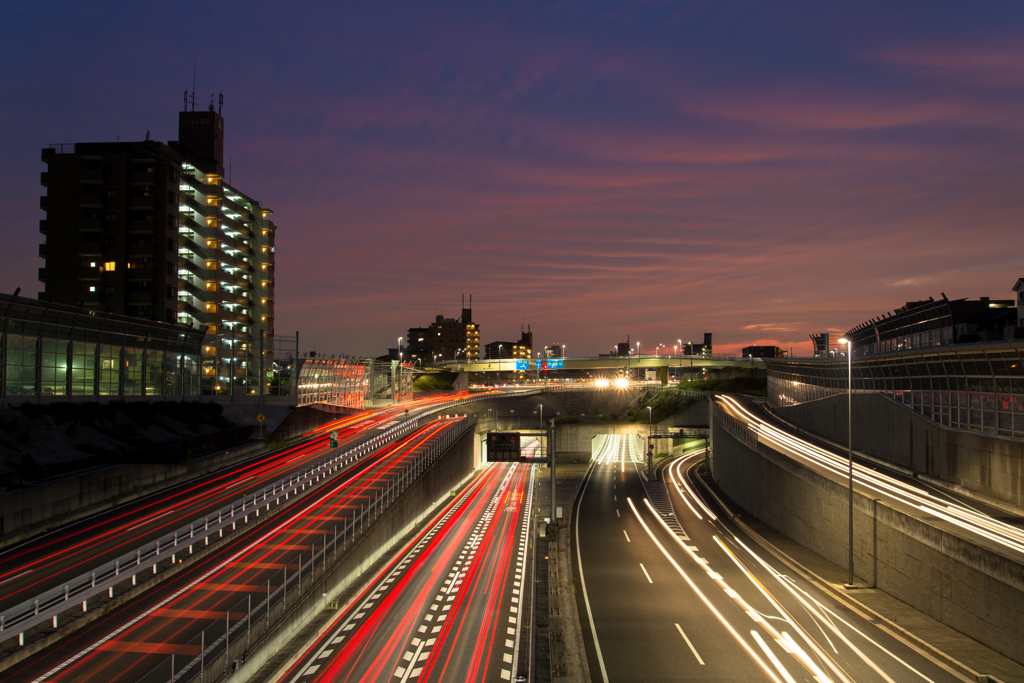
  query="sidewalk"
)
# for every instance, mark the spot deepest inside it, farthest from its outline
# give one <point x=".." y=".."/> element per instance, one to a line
<point x="935" y="640"/>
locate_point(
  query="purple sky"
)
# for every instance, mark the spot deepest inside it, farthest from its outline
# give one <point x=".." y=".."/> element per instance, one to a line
<point x="592" y="169"/>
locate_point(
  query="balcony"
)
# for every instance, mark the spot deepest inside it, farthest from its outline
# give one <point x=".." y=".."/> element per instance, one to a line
<point x="42" y="250"/>
<point x="140" y="201"/>
<point x="44" y="203"/>
<point x="44" y="178"/>
<point x="90" y="225"/>
<point x="91" y="176"/>
<point x="42" y="226"/>
<point x="42" y="274"/>
<point x="141" y="178"/>
<point x="88" y="200"/>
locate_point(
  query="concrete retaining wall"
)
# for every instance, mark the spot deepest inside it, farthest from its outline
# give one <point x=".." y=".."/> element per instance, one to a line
<point x="27" y="511"/>
<point x="969" y="588"/>
<point x="304" y="419"/>
<point x="992" y="466"/>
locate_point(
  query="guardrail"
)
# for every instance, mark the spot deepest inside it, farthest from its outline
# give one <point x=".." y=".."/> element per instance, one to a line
<point x="221" y="647"/>
<point x="160" y="555"/>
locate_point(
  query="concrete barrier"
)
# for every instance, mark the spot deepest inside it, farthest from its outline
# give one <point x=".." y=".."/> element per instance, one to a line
<point x="972" y="589"/>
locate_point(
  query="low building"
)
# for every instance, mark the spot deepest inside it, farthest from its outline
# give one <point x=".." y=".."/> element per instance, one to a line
<point x="763" y="352"/>
<point x="54" y="351"/>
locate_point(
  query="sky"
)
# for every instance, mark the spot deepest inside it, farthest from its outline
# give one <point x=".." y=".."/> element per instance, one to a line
<point x="594" y="170"/>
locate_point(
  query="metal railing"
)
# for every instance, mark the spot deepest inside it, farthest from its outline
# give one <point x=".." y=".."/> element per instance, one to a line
<point x="142" y="564"/>
<point x="221" y="647"/>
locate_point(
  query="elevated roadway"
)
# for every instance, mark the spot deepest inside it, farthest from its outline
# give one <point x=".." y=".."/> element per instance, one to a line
<point x="610" y="363"/>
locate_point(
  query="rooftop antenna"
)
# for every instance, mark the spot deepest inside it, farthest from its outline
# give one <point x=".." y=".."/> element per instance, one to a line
<point x="220" y="106"/>
<point x="193" y="85"/>
<point x="185" y="104"/>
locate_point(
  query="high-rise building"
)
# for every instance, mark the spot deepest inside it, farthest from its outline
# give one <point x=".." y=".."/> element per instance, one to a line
<point x="151" y="230"/>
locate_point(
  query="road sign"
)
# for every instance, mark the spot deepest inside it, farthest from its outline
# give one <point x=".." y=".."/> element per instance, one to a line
<point x="260" y="418"/>
<point x="334" y="439"/>
<point x="503" y="446"/>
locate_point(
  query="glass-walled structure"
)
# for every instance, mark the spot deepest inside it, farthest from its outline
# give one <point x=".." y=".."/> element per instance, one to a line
<point x="338" y="381"/>
<point x="53" y="350"/>
<point x="978" y="387"/>
<point x="926" y="324"/>
<point x="352" y="382"/>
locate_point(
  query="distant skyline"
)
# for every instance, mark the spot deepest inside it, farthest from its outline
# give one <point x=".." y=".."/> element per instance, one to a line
<point x="591" y="169"/>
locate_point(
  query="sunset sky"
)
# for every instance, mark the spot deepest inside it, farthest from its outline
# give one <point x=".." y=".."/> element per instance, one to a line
<point x="595" y="170"/>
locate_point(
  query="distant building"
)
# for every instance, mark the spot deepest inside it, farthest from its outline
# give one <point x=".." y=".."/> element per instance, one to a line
<point x="553" y="351"/>
<point x="623" y="349"/>
<point x="763" y="352"/>
<point x="446" y="339"/>
<point x="499" y="350"/>
<point x="1019" y="290"/>
<point x="704" y="349"/>
<point x="152" y="231"/>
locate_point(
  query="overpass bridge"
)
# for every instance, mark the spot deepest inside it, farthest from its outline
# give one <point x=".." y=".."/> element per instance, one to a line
<point x="604" y="363"/>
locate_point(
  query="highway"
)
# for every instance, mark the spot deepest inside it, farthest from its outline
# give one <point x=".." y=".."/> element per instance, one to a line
<point x="685" y="595"/>
<point x="979" y="523"/>
<point x="53" y="558"/>
<point x="449" y="607"/>
<point x="132" y="640"/>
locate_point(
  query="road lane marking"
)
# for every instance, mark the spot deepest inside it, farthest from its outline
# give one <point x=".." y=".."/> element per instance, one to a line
<point x="15" y="577"/>
<point x="152" y="519"/>
<point x="692" y="648"/>
<point x="617" y="512"/>
<point x="645" y="573"/>
<point x="627" y="536"/>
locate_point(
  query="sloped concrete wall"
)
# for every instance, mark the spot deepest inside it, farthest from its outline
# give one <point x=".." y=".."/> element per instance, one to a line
<point x="990" y="465"/>
<point x="977" y="591"/>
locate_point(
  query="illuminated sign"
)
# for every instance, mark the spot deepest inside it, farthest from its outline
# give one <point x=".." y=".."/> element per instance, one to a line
<point x="551" y="364"/>
<point x="522" y="365"/>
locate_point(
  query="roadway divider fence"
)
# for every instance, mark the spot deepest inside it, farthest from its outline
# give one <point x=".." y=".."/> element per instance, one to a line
<point x="53" y="609"/>
<point x="223" y="646"/>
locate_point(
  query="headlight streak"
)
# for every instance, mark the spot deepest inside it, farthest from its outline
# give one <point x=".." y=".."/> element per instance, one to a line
<point x="795" y="648"/>
<point x="703" y="598"/>
<point x="806" y="599"/>
<point x="771" y="656"/>
<point x="962" y="517"/>
<point x="746" y="607"/>
<point x="672" y="474"/>
<point x="818" y="617"/>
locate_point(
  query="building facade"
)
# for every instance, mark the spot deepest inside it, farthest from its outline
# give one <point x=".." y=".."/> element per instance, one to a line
<point x="152" y="231"/>
<point x="447" y="339"/>
<point x="51" y="351"/>
<point x="924" y="324"/>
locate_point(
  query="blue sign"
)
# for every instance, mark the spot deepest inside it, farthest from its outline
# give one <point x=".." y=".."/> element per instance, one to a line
<point x="522" y="365"/>
<point x="551" y="364"/>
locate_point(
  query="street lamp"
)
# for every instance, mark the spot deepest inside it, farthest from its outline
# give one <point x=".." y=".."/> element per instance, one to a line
<point x="849" y="435"/>
<point x="638" y="349"/>
<point x="541" y="406"/>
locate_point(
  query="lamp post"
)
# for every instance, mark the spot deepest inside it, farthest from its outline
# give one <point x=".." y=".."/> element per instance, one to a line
<point x="650" y="441"/>
<point x="849" y="435"/>
<point x="541" y="406"/>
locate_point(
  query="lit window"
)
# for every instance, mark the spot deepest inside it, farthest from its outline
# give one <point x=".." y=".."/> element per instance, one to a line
<point x="92" y="288"/>
<point x="109" y="266"/>
<point x="211" y="308"/>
